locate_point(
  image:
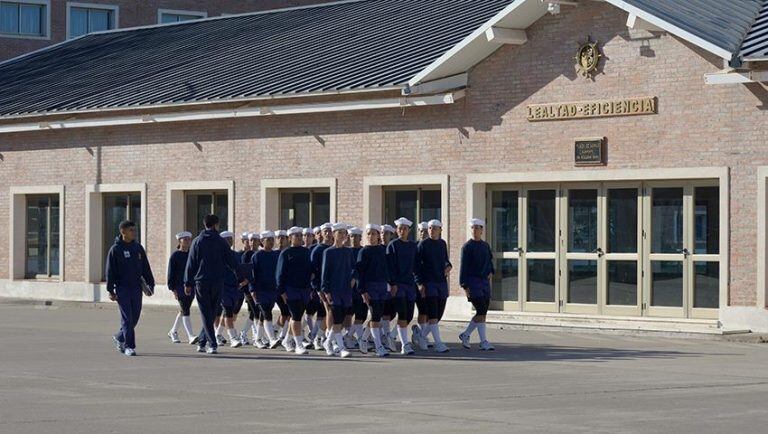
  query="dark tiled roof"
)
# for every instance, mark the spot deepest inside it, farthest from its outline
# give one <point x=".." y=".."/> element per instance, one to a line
<point x="342" y="46"/>
<point x="756" y="43"/>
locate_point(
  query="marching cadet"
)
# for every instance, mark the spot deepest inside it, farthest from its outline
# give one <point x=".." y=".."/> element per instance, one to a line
<point x="423" y="231"/>
<point x="313" y="304"/>
<point x="475" y="273"/>
<point x="245" y="243"/>
<point x="387" y="235"/>
<point x="127" y="265"/>
<point x="232" y="296"/>
<point x="359" y="308"/>
<point x="285" y="314"/>
<point x="431" y="274"/>
<point x="263" y="284"/>
<point x="419" y="330"/>
<point x="175" y="281"/>
<point x="254" y="243"/>
<point x="336" y="285"/>
<point x="318" y="234"/>
<point x="294" y="276"/>
<point x="401" y="254"/>
<point x="253" y="311"/>
<point x="323" y="313"/>
<point x="282" y="239"/>
<point x="371" y="270"/>
<point x="209" y="261"/>
<point x="308" y="237"/>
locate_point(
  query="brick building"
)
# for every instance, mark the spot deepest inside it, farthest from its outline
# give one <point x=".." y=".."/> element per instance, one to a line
<point x="623" y="185"/>
<point x="28" y="25"/>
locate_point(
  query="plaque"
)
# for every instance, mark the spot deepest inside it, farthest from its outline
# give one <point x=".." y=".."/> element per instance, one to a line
<point x="590" y="152"/>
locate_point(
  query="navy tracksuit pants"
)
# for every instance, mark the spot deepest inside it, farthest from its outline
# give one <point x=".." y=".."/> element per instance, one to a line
<point x="129" y="303"/>
<point x="208" y="297"/>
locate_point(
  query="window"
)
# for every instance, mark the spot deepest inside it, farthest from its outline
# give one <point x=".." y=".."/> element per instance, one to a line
<point x="42" y="236"/>
<point x="304" y="208"/>
<point x="415" y="204"/>
<point x="200" y="204"/>
<point x="24" y="19"/>
<point x="165" y="16"/>
<point x="84" y="18"/>
<point x="119" y="207"/>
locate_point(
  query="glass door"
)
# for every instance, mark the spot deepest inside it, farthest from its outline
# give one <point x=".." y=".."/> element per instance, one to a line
<point x="504" y="237"/>
<point x="704" y="275"/>
<point x="540" y="253"/>
<point x="622" y="278"/>
<point x="581" y="243"/>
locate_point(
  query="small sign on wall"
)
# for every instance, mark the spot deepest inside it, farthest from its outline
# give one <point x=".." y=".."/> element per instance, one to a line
<point x="590" y="152"/>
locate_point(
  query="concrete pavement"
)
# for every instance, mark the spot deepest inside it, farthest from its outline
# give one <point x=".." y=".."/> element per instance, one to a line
<point x="59" y="373"/>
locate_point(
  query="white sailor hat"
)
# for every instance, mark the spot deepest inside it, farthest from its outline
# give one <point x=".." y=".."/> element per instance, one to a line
<point x="402" y="221"/>
<point x="244" y="236"/>
<point x="476" y="222"/>
<point x="183" y="234"/>
<point x="339" y="227"/>
<point x="281" y="233"/>
<point x="435" y="224"/>
<point x="355" y="231"/>
<point x="267" y="234"/>
<point x="373" y="227"/>
<point x="316" y="230"/>
<point x="309" y="231"/>
<point x="325" y="226"/>
<point x="388" y="228"/>
<point x="295" y="231"/>
<point x="422" y="225"/>
<point x="254" y="236"/>
<point x="227" y="234"/>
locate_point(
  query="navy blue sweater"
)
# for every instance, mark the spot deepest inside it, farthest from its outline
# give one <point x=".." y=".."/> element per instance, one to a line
<point x="476" y="261"/>
<point x="210" y="259"/>
<point x="317" y="265"/>
<point x="401" y="259"/>
<point x="337" y="270"/>
<point x="247" y="256"/>
<point x="294" y="269"/>
<point x="233" y="278"/>
<point x="431" y="261"/>
<point x="176" y="265"/>
<point x="371" y="266"/>
<point x="264" y="271"/>
<point x="126" y="263"/>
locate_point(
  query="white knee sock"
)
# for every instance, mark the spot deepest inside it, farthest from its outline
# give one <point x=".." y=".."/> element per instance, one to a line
<point x="299" y="340"/>
<point x="315" y="328"/>
<point x="310" y="323"/>
<point x="284" y="331"/>
<point x="470" y="328"/>
<point x="481" y="331"/>
<point x="376" y="333"/>
<point x="402" y="333"/>
<point x="339" y="340"/>
<point x="367" y="333"/>
<point x="176" y="323"/>
<point x="248" y="325"/>
<point x="270" y="329"/>
<point x="435" y="328"/>
<point x="232" y="334"/>
<point x="359" y="330"/>
<point x="220" y="328"/>
<point x="384" y="328"/>
<point x="187" y="326"/>
<point x="258" y="331"/>
<point x="424" y="327"/>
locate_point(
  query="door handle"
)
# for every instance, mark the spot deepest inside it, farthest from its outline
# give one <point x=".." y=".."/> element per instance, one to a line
<point x="599" y="252"/>
<point x="685" y="252"/>
<point x="518" y="249"/>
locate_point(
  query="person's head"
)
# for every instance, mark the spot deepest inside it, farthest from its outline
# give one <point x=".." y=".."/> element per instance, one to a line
<point x="295" y="236"/>
<point x="184" y="240"/>
<point x="373" y="234"/>
<point x="423" y="231"/>
<point x="229" y="237"/>
<point x="254" y="241"/>
<point x="403" y="226"/>
<point x="339" y="231"/>
<point x="477" y="226"/>
<point x="355" y="236"/>
<point x="245" y="242"/>
<point x="211" y="222"/>
<point x="127" y="231"/>
<point x="318" y="233"/>
<point x="327" y="231"/>
<point x="281" y="238"/>
<point x="387" y="232"/>
<point x="435" y="229"/>
<point x="308" y="235"/>
<point x="268" y="240"/>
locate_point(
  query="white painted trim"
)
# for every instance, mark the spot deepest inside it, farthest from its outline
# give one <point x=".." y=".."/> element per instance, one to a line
<point x="373" y="187"/>
<point x="161" y="12"/>
<point x="401" y="102"/>
<point x="506" y="36"/>
<point x="47" y="36"/>
<point x="270" y="197"/>
<point x="175" y="207"/>
<point x="732" y="76"/>
<point x="762" y="233"/>
<point x="113" y="8"/>
<point x="16" y="249"/>
<point x="94" y="224"/>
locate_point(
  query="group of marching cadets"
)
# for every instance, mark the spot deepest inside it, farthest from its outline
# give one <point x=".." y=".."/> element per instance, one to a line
<point x="336" y="287"/>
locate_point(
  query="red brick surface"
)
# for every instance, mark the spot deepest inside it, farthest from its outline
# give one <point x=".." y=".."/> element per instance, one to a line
<point x="697" y="125"/>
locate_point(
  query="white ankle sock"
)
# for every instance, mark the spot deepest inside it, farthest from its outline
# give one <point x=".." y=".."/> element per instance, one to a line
<point x="176" y="323"/>
<point x="435" y="328"/>
<point x="481" y="331"/>
<point x="470" y="328"/>
<point x="187" y="326"/>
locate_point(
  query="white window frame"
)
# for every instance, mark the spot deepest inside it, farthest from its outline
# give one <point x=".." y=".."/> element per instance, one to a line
<point x="175" y="206"/>
<point x="270" y="197"/>
<point x="112" y="8"/>
<point x="47" y="27"/>
<point x="18" y="219"/>
<point x="160" y="12"/>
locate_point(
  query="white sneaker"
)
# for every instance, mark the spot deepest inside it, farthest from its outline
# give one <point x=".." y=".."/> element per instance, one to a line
<point x="220" y="340"/>
<point x="441" y="348"/>
<point x="486" y="346"/>
<point x="289" y="345"/>
<point x="328" y="346"/>
<point x="258" y="343"/>
<point x="274" y="343"/>
<point x="407" y="350"/>
<point x="362" y="345"/>
<point x="317" y="342"/>
<point x="464" y="338"/>
<point x="244" y="338"/>
<point x="300" y="350"/>
<point x="211" y="350"/>
<point x="344" y="353"/>
<point x="174" y="337"/>
<point x="388" y="344"/>
<point x="130" y="352"/>
<point x="235" y="343"/>
<point x="200" y="349"/>
<point x="381" y="351"/>
<point x="415" y="334"/>
<point x="194" y="340"/>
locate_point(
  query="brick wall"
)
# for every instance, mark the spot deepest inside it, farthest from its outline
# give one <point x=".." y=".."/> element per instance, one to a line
<point x="697" y="126"/>
<point x="140" y="13"/>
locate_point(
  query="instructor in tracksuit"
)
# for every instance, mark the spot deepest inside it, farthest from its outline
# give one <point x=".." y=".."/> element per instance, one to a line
<point x="126" y="265"/>
<point x="209" y="262"/>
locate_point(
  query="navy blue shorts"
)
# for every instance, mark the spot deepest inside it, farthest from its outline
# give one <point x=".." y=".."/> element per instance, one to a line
<point x="478" y="288"/>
